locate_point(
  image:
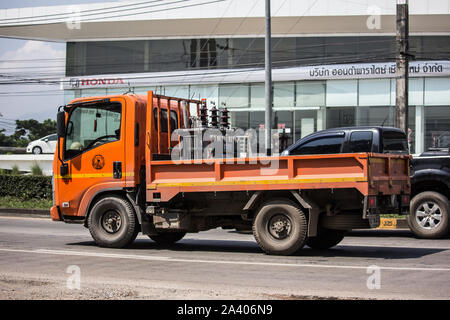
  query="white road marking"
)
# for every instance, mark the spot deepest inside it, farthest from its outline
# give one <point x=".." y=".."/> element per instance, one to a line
<point x="169" y="259"/>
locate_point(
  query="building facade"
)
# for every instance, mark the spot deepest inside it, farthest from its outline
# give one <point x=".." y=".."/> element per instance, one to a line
<point x="334" y="61"/>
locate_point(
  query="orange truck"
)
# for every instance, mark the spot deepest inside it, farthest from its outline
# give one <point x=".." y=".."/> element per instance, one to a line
<point x="113" y="172"/>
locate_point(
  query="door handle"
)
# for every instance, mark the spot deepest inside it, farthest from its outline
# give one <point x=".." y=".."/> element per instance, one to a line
<point x="117" y="170"/>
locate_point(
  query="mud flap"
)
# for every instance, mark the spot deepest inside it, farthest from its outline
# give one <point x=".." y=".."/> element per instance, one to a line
<point x="374" y="220"/>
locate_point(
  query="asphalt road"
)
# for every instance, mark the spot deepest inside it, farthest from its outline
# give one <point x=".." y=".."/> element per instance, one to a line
<point x="41" y="259"/>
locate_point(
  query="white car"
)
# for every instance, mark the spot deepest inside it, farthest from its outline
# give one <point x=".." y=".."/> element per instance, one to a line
<point x="44" y="145"/>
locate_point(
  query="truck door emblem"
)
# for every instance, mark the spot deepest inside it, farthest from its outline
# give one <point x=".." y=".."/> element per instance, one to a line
<point x="98" y="162"/>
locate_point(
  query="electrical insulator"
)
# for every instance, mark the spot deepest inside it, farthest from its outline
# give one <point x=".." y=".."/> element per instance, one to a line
<point x="224" y="119"/>
<point x="204" y="114"/>
<point x="214" y="117"/>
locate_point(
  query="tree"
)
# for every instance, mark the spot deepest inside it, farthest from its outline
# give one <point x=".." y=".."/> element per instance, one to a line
<point x="33" y="129"/>
<point x="26" y="131"/>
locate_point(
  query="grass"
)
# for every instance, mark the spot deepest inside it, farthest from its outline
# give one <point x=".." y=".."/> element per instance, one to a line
<point x="395" y="216"/>
<point x="13" y="202"/>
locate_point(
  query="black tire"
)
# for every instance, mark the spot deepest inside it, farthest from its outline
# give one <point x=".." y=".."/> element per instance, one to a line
<point x="280" y="227"/>
<point x="37" y="150"/>
<point x="113" y="223"/>
<point x="167" y="238"/>
<point x="429" y="215"/>
<point x="325" y="239"/>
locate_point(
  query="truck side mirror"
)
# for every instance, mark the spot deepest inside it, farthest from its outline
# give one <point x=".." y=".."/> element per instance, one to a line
<point x="61" y="124"/>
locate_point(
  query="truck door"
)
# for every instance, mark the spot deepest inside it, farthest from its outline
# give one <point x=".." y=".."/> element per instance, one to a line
<point x="94" y="149"/>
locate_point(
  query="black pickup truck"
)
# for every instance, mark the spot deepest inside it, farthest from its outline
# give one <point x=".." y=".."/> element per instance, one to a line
<point x="430" y="172"/>
<point x="351" y="140"/>
<point x="430" y="192"/>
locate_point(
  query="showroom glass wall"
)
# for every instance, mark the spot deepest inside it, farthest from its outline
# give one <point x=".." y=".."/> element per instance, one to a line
<point x="303" y="107"/>
<point x="162" y="55"/>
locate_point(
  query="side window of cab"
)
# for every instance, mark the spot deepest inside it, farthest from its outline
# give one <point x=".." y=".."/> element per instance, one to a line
<point x="322" y="145"/>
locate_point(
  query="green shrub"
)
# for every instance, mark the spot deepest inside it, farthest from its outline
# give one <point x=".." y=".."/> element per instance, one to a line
<point x="36" y="170"/>
<point x="15" y="169"/>
<point x="26" y="187"/>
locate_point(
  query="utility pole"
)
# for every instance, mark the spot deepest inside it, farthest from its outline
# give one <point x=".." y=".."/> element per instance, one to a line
<point x="268" y="81"/>
<point x="401" y="103"/>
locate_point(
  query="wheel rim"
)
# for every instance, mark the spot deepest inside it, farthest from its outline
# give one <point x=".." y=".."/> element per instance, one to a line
<point x="429" y="215"/>
<point x="36" y="151"/>
<point x="111" y="221"/>
<point x="280" y="226"/>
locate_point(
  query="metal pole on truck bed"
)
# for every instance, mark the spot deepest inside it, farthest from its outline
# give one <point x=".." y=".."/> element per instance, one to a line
<point x="268" y="81"/>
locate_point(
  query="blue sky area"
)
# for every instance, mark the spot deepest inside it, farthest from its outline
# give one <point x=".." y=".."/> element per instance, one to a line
<point x="31" y="101"/>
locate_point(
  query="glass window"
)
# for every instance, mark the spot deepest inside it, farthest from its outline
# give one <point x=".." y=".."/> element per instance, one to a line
<point x="52" y="137"/>
<point x="257" y="96"/>
<point x="109" y="57"/>
<point x="284" y="123"/>
<point x="173" y="121"/>
<point x="305" y="122"/>
<point x="283" y="95"/>
<point x="257" y="120"/>
<point x="375" y="92"/>
<point x="437" y="127"/>
<point x="342" y="93"/>
<point x="91" y="126"/>
<point x="341" y="117"/>
<point x="361" y="141"/>
<point x="310" y="94"/>
<point x="375" y="116"/>
<point x="234" y="95"/>
<point x="162" y="120"/>
<point x="240" y="119"/>
<point x="437" y="91"/>
<point x="326" y="145"/>
<point x="394" y="141"/>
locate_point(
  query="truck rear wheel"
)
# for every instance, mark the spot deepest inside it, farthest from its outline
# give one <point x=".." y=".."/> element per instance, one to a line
<point x="167" y="238"/>
<point x="280" y="227"/>
<point x="429" y="215"/>
<point x="113" y="223"/>
<point x="326" y="238"/>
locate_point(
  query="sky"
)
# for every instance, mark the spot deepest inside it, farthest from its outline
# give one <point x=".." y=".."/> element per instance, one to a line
<point x="31" y="58"/>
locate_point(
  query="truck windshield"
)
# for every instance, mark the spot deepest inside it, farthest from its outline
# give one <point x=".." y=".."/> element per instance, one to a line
<point x="91" y="126"/>
<point x="394" y="141"/>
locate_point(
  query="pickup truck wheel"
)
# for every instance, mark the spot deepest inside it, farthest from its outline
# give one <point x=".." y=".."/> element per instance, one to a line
<point x="113" y="223"/>
<point x="280" y="227"/>
<point x="326" y="238"/>
<point x="167" y="238"/>
<point x="429" y="215"/>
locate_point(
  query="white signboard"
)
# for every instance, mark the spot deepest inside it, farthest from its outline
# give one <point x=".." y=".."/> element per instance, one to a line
<point x="325" y="72"/>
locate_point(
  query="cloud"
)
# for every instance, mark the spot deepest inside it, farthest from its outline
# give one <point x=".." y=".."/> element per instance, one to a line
<point x="31" y="60"/>
<point x="34" y="58"/>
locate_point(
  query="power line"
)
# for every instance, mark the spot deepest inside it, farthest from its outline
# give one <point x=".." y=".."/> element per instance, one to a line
<point x="78" y="19"/>
<point x="81" y="11"/>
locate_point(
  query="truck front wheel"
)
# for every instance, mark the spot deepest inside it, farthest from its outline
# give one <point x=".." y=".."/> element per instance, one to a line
<point x="112" y="222"/>
<point x="280" y="227"/>
<point x="429" y="215"/>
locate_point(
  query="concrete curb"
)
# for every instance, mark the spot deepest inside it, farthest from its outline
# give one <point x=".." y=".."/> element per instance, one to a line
<point x="33" y="213"/>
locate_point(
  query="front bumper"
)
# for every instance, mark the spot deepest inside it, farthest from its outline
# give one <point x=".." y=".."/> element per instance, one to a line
<point x="55" y="214"/>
